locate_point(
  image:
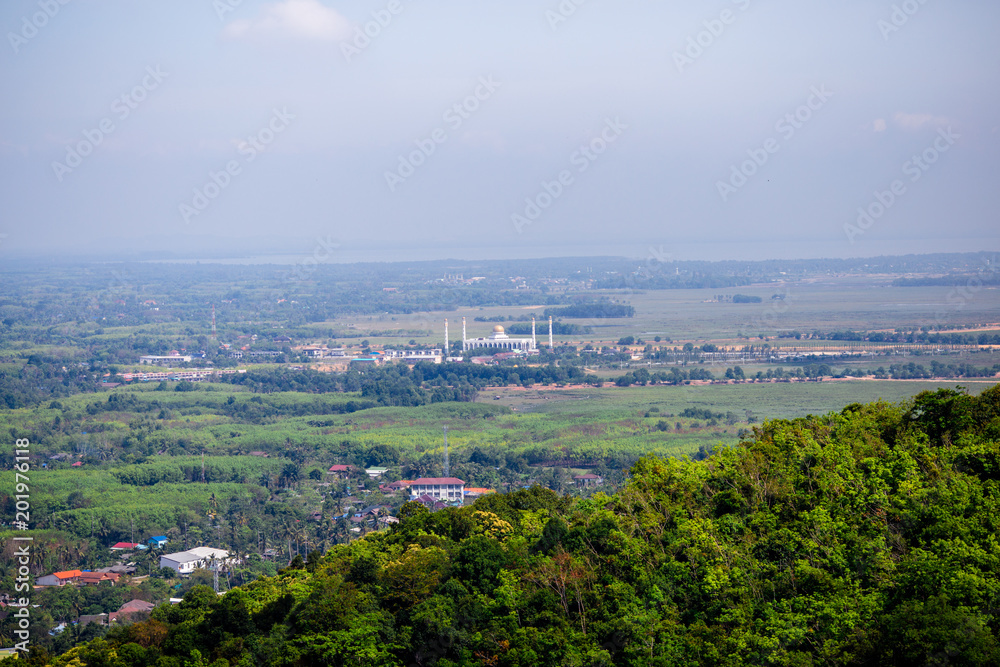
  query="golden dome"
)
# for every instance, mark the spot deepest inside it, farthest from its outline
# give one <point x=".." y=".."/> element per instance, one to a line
<point x="498" y="329"/>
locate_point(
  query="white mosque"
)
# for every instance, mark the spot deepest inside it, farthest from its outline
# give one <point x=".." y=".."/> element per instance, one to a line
<point x="498" y="340"/>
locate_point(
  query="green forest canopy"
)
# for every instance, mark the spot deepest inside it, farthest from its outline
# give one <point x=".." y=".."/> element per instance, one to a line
<point x="865" y="537"/>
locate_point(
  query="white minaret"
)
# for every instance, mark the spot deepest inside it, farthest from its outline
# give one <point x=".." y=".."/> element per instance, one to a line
<point x="446" y="349"/>
<point x="464" y="337"/>
<point x="534" y="344"/>
<point x="551" y="346"/>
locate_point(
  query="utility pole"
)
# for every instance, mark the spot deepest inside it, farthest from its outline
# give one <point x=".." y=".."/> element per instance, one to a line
<point x="447" y="466"/>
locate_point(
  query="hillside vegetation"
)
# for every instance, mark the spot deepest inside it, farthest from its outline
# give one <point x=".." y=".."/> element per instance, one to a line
<point x="864" y="537"/>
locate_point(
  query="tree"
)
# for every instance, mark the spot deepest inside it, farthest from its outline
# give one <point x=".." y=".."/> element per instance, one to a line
<point x="289" y="475"/>
<point x="414" y="576"/>
<point x="478" y="562"/>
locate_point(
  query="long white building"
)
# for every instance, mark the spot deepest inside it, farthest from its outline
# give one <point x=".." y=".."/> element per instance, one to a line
<point x="498" y="340"/>
<point x="441" y="488"/>
<point x="413" y="356"/>
<point x="170" y="360"/>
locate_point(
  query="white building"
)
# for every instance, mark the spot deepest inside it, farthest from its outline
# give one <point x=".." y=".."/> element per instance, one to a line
<point x="186" y="562"/>
<point x="413" y="356"/>
<point x="443" y="488"/>
<point x="499" y="341"/>
<point x="164" y="361"/>
<point x="323" y="352"/>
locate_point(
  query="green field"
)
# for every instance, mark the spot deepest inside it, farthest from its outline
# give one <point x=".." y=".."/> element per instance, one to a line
<point x="825" y="304"/>
<point x="767" y="401"/>
<point x="771" y="401"/>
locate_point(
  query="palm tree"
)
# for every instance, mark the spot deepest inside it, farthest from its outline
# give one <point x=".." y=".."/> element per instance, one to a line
<point x="289" y="474"/>
<point x="39" y="554"/>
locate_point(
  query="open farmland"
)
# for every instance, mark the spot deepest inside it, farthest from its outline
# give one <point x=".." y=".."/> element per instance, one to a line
<point x="824" y="304"/>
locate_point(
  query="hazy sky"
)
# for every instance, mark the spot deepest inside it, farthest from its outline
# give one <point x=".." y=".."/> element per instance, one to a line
<point x="747" y="128"/>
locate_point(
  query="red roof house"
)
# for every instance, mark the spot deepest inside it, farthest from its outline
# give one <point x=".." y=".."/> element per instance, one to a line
<point x="587" y="480"/>
<point x="59" y="578"/>
<point x="131" y="607"/>
<point x="95" y="578"/>
<point x="399" y="485"/>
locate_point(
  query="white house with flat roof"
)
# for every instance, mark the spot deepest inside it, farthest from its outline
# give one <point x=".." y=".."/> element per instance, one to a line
<point x="186" y="562"/>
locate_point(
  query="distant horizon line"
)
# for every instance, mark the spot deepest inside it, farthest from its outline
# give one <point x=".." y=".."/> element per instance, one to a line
<point x="285" y="258"/>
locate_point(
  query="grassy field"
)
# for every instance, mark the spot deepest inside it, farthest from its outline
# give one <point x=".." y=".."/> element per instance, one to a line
<point x="765" y="401"/>
<point x="578" y="424"/>
<point x="770" y="401"/>
<point x="827" y="304"/>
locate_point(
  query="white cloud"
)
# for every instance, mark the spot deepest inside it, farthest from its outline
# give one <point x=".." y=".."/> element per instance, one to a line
<point x="879" y="125"/>
<point x="295" y="19"/>
<point x="915" y="121"/>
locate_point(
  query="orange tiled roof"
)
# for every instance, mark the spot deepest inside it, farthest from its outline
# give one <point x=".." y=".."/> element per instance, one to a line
<point x="68" y="574"/>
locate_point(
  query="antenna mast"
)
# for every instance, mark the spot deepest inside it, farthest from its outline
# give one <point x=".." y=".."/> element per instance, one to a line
<point x="213" y="322"/>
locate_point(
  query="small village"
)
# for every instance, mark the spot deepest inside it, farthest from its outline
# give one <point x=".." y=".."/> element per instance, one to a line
<point x="134" y="558"/>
